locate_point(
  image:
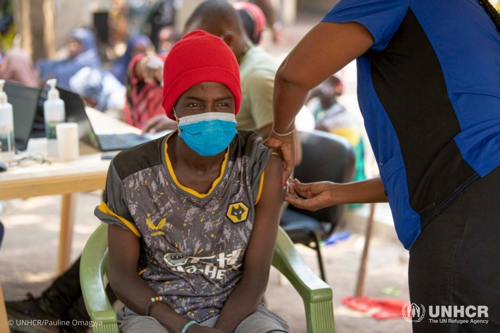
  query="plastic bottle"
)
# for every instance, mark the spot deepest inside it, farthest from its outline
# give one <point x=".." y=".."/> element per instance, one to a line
<point x="54" y="113"/>
<point x="7" y="141"/>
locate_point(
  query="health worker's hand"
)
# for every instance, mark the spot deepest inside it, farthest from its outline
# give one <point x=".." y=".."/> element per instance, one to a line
<point x="311" y="196"/>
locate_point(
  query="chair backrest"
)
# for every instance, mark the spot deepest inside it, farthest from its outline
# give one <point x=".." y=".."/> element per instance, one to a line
<point x="326" y="157"/>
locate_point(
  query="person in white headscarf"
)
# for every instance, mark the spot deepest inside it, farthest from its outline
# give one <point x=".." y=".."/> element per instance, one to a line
<point x="100" y="89"/>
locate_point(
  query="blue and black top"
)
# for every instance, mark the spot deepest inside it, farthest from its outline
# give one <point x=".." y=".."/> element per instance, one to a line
<point x="429" y="91"/>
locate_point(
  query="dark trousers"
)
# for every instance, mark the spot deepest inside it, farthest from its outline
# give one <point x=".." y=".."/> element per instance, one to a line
<point x="456" y="259"/>
<point x="64" y="299"/>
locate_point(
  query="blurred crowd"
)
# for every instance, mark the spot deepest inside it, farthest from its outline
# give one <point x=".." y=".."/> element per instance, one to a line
<point x="95" y="64"/>
<point x="116" y="66"/>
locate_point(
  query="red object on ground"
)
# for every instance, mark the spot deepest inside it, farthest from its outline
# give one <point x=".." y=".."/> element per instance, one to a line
<point x="379" y="309"/>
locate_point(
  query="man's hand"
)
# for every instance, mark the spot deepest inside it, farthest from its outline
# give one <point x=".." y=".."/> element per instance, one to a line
<point x="285" y="146"/>
<point x="158" y="123"/>
<point x="312" y="196"/>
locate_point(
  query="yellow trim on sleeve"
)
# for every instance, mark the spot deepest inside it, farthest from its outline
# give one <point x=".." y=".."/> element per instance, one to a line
<point x="261" y="186"/>
<point x="141" y="272"/>
<point x="187" y="189"/>
<point x="105" y="209"/>
<point x="275" y="153"/>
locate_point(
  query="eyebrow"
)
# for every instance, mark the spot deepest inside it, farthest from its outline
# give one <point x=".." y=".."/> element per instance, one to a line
<point x="202" y="100"/>
<point x="194" y="98"/>
<point x="223" y="98"/>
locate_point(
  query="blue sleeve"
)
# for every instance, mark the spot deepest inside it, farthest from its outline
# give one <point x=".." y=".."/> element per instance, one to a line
<point x="381" y="18"/>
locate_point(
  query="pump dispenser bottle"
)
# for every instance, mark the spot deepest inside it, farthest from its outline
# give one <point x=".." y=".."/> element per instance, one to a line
<point x="54" y="113"/>
<point x="7" y="143"/>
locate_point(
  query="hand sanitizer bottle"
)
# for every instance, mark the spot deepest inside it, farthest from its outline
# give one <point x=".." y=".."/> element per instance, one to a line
<point x="7" y="143"/>
<point x="53" y="111"/>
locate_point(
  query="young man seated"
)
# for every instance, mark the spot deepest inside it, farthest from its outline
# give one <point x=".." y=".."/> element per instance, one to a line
<point x="194" y="216"/>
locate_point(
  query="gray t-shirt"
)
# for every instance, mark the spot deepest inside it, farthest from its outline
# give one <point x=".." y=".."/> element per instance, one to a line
<point x="192" y="244"/>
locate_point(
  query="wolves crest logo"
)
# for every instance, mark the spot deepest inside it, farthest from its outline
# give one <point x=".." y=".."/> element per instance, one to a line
<point x="237" y="212"/>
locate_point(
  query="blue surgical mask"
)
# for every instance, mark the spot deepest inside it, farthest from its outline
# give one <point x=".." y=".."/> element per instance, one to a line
<point x="208" y="133"/>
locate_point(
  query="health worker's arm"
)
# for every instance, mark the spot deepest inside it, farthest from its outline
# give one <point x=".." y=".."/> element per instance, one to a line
<point x="326" y="49"/>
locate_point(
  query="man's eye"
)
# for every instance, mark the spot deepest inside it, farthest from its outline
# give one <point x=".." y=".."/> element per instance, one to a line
<point x="224" y="104"/>
<point x="194" y="105"/>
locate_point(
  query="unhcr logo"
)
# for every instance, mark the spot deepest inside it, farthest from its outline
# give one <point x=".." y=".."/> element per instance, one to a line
<point x="413" y="313"/>
<point x="456" y="311"/>
<point x="451" y="314"/>
<point x="458" y="314"/>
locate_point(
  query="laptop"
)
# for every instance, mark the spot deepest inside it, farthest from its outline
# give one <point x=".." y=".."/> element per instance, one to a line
<point x="24" y="101"/>
<point x="75" y="112"/>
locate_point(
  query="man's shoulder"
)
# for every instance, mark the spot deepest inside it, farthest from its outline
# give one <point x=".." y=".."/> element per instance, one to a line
<point x="258" y="75"/>
<point x="258" y="61"/>
<point x="249" y="143"/>
<point x="140" y="157"/>
<point x="247" y="138"/>
<point x="258" y="71"/>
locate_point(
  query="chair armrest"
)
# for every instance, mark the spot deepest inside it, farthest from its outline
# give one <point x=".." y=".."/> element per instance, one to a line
<point x="315" y="293"/>
<point x="93" y="269"/>
<point x="289" y="262"/>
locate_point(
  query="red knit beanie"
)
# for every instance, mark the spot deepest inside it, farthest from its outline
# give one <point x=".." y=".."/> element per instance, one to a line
<point x="196" y="58"/>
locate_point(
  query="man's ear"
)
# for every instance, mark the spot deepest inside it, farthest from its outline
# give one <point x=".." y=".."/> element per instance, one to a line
<point x="228" y="38"/>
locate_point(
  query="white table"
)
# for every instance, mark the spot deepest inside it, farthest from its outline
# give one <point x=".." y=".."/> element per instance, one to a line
<point x="88" y="173"/>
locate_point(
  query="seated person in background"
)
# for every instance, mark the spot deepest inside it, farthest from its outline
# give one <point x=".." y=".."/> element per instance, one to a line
<point x="17" y="67"/>
<point x="138" y="44"/>
<point x="82" y="52"/>
<point x="100" y="89"/>
<point x="192" y="219"/>
<point x="253" y="19"/>
<point x="144" y="91"/>
<point x="333" y="117"/>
